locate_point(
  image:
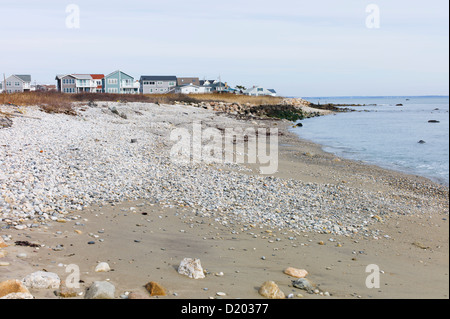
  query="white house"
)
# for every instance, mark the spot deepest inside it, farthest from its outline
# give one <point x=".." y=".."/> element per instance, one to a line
<point x="259" y="90"/>
<point x="78" y="83"/>
<point x="191" y="89"/>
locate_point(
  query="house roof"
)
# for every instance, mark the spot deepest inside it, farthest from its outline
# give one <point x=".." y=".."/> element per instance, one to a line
<point x="97" y="76"/>
<point x="202" y="82"/>
<point x="158" y="78"/>
<point x="272" y="90"/>
<point x="82" y="76"/>
<point x="188" y="80"/>
<point x="60" y="76"/>
<point x="120" y="72"/>
<point x="216" y="85"/>
<point x="25" y="78"/>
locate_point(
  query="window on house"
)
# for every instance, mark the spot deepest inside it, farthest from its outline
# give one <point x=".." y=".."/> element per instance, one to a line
<point x="112" y="81"/>
<point x="260" y="89"/>
<point x="17" y="84"/>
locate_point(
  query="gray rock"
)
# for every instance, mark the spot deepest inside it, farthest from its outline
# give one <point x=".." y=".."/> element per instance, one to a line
<point x="100" y="290"/>
<point x="114" y="110"/>
<point x="5" y="122"/>
<point x="304" y="284"/>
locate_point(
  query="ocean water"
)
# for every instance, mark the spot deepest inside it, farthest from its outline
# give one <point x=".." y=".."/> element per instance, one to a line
<point x="387" y="135"/>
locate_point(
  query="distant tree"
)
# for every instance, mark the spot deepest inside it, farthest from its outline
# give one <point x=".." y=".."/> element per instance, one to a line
<point x="241" y="87"/>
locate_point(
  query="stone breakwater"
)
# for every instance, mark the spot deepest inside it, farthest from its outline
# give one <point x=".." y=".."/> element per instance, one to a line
<point x="248" y="109"/>
<point x="52" y="165"/>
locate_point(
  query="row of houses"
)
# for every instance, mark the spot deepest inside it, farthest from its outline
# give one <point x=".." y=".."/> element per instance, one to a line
<point x="119" y="82"/>
<point x="122" y="83"/>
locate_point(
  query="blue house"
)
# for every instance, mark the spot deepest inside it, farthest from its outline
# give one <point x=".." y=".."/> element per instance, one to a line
<point x="120" y="83"/>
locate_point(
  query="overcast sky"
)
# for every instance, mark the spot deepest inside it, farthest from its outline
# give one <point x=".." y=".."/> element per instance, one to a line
<point x="299" y="48"/>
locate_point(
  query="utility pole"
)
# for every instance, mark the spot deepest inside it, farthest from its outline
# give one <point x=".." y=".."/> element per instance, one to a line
<point x="4" y="84"/>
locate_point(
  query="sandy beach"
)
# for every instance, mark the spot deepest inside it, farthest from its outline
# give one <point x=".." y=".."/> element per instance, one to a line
<point x="78" y="188"/>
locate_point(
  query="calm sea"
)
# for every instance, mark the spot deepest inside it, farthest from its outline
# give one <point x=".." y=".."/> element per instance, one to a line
<point x="387" y="135"/>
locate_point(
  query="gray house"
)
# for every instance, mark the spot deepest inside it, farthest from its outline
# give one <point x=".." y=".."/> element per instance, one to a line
<point x="18" y="83"/>
<point x="157" y="84"/>
<point x="66" y="83"/>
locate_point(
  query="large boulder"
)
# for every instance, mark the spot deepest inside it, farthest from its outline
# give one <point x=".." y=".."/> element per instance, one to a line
<point x="155" y="289"/>
<point x="100" y="290"/>
<point x="271" y="290"/>
<point x="297" y="273"/>
<point x="14" y="289"/>
<point x="304" y="284"/>
<point x="42" y="280"/>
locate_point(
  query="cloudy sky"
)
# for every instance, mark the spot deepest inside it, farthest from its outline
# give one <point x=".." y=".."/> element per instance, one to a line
<point x="299" y="48"/>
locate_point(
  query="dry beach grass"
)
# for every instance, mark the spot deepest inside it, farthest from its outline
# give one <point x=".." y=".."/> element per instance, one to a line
<point x="56" y="102"/>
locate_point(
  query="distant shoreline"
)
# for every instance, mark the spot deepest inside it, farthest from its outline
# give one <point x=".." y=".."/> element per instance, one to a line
<point x="374" y="96"/>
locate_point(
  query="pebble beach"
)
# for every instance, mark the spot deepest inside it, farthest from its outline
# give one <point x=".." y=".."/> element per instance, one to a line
<point x="101" y="187"/>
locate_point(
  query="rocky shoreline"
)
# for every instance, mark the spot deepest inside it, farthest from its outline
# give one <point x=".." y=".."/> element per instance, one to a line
<point x="55" y="166"/>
